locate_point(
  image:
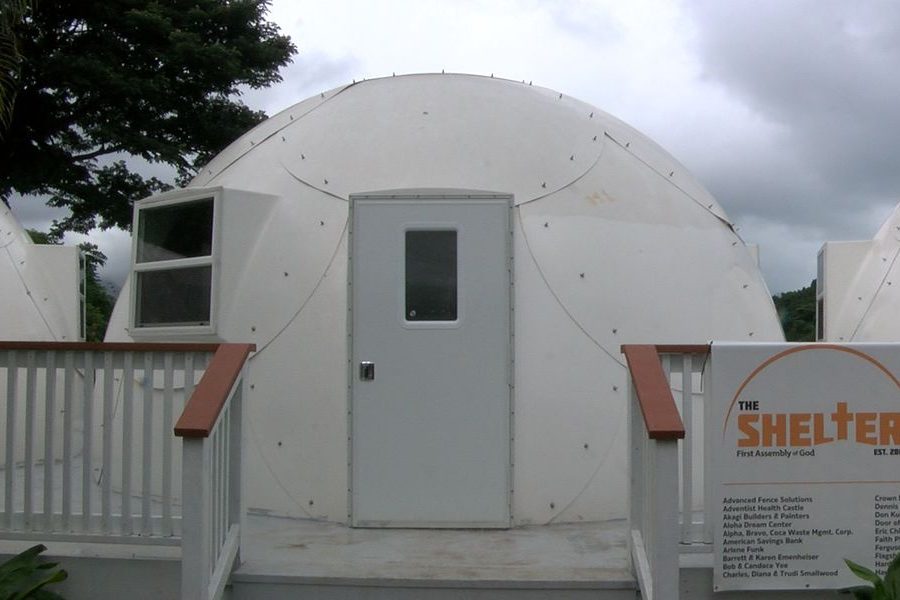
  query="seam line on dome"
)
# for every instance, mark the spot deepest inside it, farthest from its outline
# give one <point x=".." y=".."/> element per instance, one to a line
<point x="602" y="462"/>
<point x="557" y="298"/>
<point x="10" y="236"/>
<point x="728" y="223"/>
<point x="293" y="318"/>
<point x="265" y="460"/>
<point x="308" y="184"/>
<point x="887" y="273"/>
<point x="254" y="146"/>
<point x="313" y="291"/>
<point x="28" y="293"/>
<point x="574" y="181"/>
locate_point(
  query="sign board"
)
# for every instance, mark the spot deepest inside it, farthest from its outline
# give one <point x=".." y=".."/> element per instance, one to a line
<point x="805" y="461"/>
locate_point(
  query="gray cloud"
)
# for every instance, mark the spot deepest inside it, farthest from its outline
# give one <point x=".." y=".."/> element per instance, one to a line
<point x="309" y="73"/>
<point x="819" y="76"/>
<point x="786" y="111"/>
<point x="581" y="18"/>
<point x="825" y="73"/>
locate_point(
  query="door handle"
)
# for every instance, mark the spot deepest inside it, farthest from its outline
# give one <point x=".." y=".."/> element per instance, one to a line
<point x="367" y="370"/>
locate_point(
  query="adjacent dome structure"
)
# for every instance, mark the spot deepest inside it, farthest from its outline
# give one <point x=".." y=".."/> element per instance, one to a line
<point x="438" y="272"/>
<point x="858" y="287"/>
<point x="39" y="287"/>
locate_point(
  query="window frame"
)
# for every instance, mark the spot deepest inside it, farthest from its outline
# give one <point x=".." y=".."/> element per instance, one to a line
<point x="401" y="300"/>
<point x="212" y="260"/>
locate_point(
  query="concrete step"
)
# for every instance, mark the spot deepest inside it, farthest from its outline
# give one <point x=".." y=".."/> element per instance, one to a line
<point x="333" y="589"/>
<point x="290" y="558"/>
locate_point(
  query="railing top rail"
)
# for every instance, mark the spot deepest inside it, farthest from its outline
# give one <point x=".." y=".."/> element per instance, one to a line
<point x="681" y="348"/>
<point x="212" y="392"/>
<point x="651" y="386"/>
<point x="109" y="346"/>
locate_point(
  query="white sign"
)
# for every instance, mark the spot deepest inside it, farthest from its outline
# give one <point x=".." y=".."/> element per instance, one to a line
<point x="806" y="463"/>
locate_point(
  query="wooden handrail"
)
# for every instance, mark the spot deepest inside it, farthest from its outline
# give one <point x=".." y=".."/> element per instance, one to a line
<point x="109" y="346"/>
<point x="682" y="348"/>
<point x="203" y="408"/>
<point x="651" y="387"/>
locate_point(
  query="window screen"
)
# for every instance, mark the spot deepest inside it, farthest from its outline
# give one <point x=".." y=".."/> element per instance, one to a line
<point x="173" y="297"/>
<point x="176" y="231"/>
<point x="431" y="281"/>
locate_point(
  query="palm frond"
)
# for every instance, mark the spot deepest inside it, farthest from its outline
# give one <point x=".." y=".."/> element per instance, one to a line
<point x="11" y="14"/>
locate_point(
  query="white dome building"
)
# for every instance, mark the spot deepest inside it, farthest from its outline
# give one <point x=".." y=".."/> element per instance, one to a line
<point x="446" y="352"/>
<point x="858" y="287"/>
<point x="39" y="287"/>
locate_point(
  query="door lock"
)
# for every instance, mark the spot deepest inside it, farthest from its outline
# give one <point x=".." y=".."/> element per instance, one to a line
<point x="367" y="370"/>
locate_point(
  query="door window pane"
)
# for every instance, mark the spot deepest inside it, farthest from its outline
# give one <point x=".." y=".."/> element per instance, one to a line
<point x="431" y="276"/>
<point x="175" y="231"/>
<point x="174" y="297"/>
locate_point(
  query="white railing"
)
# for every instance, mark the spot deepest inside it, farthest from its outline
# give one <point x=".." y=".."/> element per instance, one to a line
<point x="213" y="511"/>
<point x="89" y="452"/>
<point x="666" y="490"/>
<point x="684" y="367"/>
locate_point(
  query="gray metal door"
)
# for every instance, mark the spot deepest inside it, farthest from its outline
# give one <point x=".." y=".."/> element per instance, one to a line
<point x="430" y="371"/>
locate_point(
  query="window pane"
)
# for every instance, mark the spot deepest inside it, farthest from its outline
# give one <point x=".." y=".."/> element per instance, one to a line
<point x="173" y="297"/>
<point x="175" y="231"/>
<point x="430" y="275"/>
<point x="820" y="272"/>
<point x="820" y="320"/>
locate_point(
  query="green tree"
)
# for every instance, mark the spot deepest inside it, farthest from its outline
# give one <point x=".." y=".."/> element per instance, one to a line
<point x="155" y="79"/>
<point x="11" y="14"/>
<point x="797" y="312"/>
<point x="98" y="300"/>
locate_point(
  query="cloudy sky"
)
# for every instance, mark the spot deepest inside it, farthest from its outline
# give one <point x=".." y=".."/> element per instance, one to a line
<point x="788" y="111"/>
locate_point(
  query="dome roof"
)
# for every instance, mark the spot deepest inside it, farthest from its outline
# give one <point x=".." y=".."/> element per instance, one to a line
<point x="613" y="242"/>
<point x="868" y="307"/>
<point x="609" y="190"/>
<point x="440" y="131"/>
<point x="38" y="286"/>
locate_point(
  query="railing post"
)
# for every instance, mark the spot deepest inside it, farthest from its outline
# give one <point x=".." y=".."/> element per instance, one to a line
<point x="237" y="514"/>
<point x="211" y="427"/>
<point x="708" y="449"/>
<point x="655" y="427"/>
<point x="195" y="512"/>
<point x="664" y="517"/>
<point x="635" y="461"/>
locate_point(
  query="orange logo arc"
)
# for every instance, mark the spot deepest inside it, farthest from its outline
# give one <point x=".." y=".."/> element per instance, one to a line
<point x="812" y="347"/>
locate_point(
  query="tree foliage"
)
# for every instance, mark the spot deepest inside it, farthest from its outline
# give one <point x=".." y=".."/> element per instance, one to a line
<point x="797" y="311"/>
<point x="11" y="14"/>
<point x="155" y="79"/>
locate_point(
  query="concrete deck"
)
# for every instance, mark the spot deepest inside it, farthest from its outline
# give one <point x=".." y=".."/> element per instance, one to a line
<point x="582" y="553"/>
<point x="297" y="558"/>
<point x="290" y="558"/>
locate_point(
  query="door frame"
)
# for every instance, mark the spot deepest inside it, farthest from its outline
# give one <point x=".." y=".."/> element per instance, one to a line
<point x="425" y="195"/>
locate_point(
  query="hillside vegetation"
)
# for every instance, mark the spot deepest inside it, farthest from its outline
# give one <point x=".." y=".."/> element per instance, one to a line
<point x="797" y="312"/>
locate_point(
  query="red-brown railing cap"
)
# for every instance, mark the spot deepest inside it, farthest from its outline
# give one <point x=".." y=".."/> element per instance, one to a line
<point x="203" y="407"/>
<point x="682" y="348"/>
<point x="110" y="346"/>
<point x="653" y="393"/>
